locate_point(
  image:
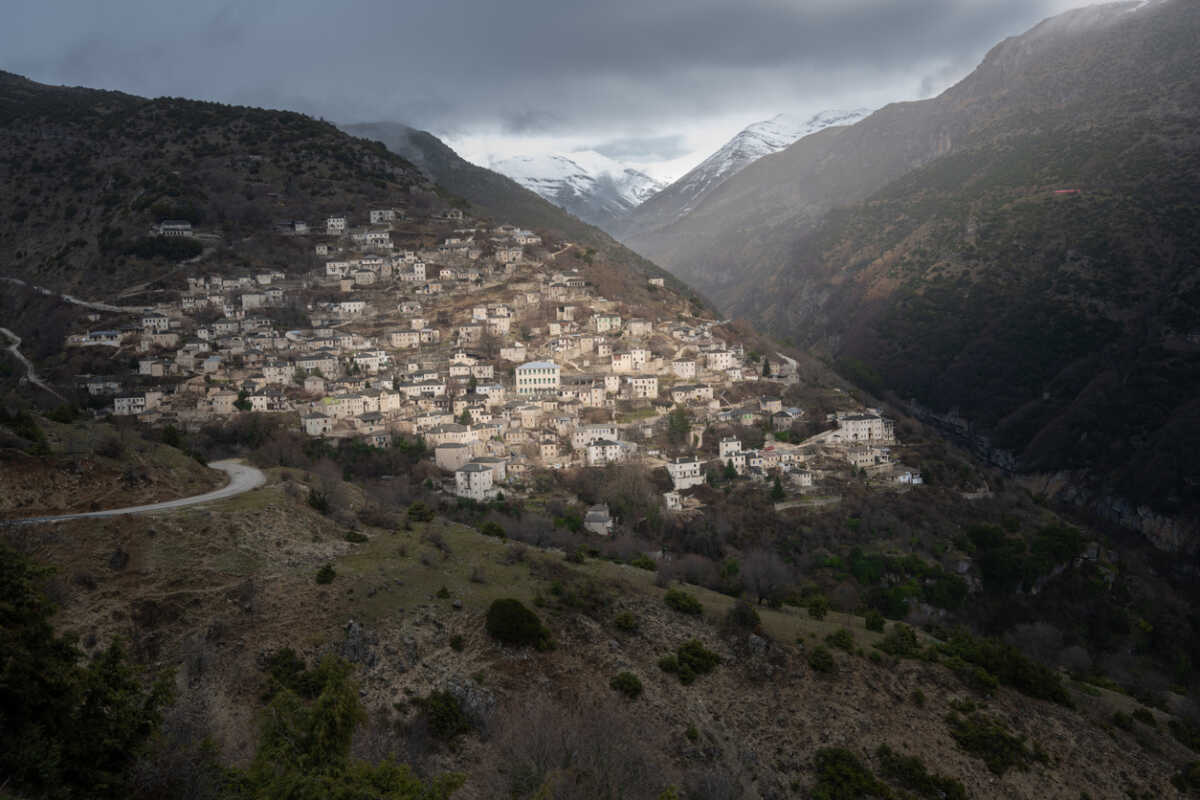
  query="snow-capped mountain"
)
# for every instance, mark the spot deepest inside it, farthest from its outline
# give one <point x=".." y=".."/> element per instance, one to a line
<point x="752" y="143"/>
<point x="591" y="186"/>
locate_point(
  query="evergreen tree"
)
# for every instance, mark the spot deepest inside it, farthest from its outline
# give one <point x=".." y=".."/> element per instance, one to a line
<point x="777" y="490"/>
<point x="67" y="728"/>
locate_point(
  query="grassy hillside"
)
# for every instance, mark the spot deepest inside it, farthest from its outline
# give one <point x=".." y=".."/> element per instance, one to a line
<point x="88" y="172"/>
<point x="220" y="593"/>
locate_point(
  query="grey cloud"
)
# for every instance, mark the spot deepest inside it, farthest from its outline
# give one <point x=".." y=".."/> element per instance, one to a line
<point x="523" y="65"/>
<point x="652" y="148"/>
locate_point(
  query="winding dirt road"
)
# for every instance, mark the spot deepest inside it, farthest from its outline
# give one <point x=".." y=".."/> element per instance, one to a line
<point x="14" y="347"/>
<point x="242" y="478"/>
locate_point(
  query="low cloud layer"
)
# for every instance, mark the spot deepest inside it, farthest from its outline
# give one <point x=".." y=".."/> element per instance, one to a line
<point x="628" y="73"/>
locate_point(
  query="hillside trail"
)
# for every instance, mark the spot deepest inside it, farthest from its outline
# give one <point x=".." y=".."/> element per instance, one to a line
<point x="76" y="301"/>
<point x="242" y="478"/>
<point x="30" y="374"/>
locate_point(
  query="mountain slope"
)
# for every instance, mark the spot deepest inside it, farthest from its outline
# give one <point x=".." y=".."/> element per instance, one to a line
<point x="88" y="172"/>
<point x="587" y="184"/>
<point x="494" y="194"/>
<point x="1035" y="272"/>
<point x="749" y="145"/>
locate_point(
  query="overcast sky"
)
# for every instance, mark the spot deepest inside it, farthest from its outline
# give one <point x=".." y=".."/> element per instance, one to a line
<point x="658" y="84"/>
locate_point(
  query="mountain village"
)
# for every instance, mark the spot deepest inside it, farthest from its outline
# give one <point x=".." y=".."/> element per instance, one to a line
<point x="476" y="343"/>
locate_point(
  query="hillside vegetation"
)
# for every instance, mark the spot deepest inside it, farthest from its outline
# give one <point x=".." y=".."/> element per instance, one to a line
<point x="89" y="172"/>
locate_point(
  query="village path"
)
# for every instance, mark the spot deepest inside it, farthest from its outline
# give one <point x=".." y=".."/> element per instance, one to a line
<point x="30" y="374"/>
<point x="242" y="479"/>
<point x="558" y="253"/>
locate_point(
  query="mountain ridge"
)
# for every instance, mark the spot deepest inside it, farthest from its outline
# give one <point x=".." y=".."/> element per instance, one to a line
<point x="1012" y="251"/>
<point x="591" y="186"/>
<point x="752" y="143"/>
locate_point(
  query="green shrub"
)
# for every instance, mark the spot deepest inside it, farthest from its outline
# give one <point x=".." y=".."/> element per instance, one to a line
<point x="626" y="621"/>
<point x="1009" y="666"/>
<point x="974" y="676"/>
<point x="690" y="660"/>
<point x="1122" y="720"/>
<point x="354" y="537"/>
<point x="841" y="776"/>
<point x="457" y="643"/>
<point x="627" y="684"/>
<point x="683" y="602"/>
<point x="643" y="561"/>
<point x="443" y="593"/>
<point x="918" y="698"/>
<point x="988" y="740"/>
<point x="692" y="733"/>
<point x="326" y="574"/>
<point x="319" y="501"/>
<point x="419" y="512"/>
<point x="900" y="641"/>
<point x="821" y="660"/>
<point x="874" y="621"/>
<point x="510" y="622"/>
<point x="489" y="529"/>
<point x="910" y="773"/>
<point x="842" y="639"/>
<point x="444" y="715"/>
<point x="818" y="606"/>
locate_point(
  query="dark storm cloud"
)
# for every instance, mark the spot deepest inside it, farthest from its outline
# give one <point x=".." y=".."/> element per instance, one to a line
<point x="523" y="65"/>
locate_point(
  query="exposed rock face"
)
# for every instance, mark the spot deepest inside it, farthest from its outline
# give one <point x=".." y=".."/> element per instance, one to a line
<point x="359" y="645"/>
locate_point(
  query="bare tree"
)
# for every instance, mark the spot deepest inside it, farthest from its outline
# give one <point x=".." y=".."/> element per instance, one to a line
<point x="765" y="574"/>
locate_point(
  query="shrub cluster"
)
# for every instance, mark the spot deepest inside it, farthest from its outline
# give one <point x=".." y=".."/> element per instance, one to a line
<point x="326" y="574"/>
<point x="900" y="641"/>
<point x="841" y="775"/>
<point x="419" y="512"/>
<point x="510" y="622"/>
<point x="988" y="740"/>
<point x="842" y="639"/>
<point x="444" y="715"/>
<point x="683" y="602"/>
<point x="627" y="684"/>
<point x="1001" y="662"/>
<point x="821" y="660"/>
<point x="910" y="773"/>
<point x="626" y="621"/>
<point x="689" y="661"/>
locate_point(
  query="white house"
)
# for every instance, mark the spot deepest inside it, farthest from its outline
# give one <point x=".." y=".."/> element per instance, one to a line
<point x="537" y="377"/>
<point x="317" y="424"/>
<point x="598" y="520"/>
<point x="474" y="481"/>
<point x="586" y="434"/>
<point x="174" y="228"/>
<point x="604" y="451"/>
<point x="685" y="472"/>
